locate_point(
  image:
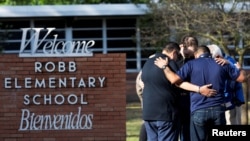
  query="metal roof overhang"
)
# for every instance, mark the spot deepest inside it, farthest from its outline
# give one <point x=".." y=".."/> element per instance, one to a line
<point x="72" y="10"/>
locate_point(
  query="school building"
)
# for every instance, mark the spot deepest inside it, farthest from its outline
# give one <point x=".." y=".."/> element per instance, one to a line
<point x="114" y="29"/>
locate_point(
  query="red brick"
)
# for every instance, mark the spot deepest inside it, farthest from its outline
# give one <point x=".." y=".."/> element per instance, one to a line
<point x="107" y="104"/>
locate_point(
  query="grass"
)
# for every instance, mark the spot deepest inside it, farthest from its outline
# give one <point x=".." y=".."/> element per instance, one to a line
<point x="134" y="121"/>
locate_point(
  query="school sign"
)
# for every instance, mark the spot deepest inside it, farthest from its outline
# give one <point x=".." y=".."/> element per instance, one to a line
<point x="59" y="90"/>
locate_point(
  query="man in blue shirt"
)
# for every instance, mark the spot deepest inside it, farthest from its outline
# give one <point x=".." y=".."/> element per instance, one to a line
<point x="205" y="111"/>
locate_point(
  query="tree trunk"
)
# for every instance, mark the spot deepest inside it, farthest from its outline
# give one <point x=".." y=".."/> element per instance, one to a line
<point x="244" y="110"/>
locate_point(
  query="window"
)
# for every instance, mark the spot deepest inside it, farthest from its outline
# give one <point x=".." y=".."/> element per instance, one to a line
<point x="11" y="33"/>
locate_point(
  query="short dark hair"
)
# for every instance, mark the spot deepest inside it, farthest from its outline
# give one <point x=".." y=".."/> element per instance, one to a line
<point x="170" y="46"/>
<point x="204" y="49"/>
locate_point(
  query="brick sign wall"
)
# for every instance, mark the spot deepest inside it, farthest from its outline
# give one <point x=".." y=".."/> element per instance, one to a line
<point x="63" y="99"/>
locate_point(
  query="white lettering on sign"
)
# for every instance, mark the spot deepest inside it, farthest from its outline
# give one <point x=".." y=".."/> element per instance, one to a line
<point x="50" y="66"/>
<point x="39" y="47"/>
<point x="69" y="121"/>
<point x="58" y="99"/>
<point x="52" y="82"/>
<point x="31" y="121"/>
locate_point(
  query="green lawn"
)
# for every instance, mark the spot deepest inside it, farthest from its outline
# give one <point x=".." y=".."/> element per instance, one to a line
<point x="134" y="121"/>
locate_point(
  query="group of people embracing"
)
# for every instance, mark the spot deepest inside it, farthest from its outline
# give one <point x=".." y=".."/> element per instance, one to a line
<point x="188" y="88"/>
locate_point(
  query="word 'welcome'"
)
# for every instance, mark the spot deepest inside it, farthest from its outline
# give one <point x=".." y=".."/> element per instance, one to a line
<point x="44" y="47"/>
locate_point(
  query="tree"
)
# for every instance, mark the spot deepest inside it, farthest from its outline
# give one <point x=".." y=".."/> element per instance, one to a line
<point x="220" y="22"/>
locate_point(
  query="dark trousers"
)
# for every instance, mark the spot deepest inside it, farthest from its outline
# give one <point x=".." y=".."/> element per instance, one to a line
<point x="185" y="117"/>
<point x="162" y="130"/>
<point x="203" y="119"/>
<point x="143" y="133"/>
<point x="185" y="129"/>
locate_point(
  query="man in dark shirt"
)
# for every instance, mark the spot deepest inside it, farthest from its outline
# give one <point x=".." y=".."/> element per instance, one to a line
<point x="205" y="111"/>
<point x="160" y="98"/>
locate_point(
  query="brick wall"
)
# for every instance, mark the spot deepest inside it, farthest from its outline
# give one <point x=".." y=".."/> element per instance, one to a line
<point x="88" y="104"/>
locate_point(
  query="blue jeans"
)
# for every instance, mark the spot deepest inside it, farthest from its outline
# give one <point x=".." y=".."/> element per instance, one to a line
<point x="162" y="130"/>
<point x="203" y="119"/>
